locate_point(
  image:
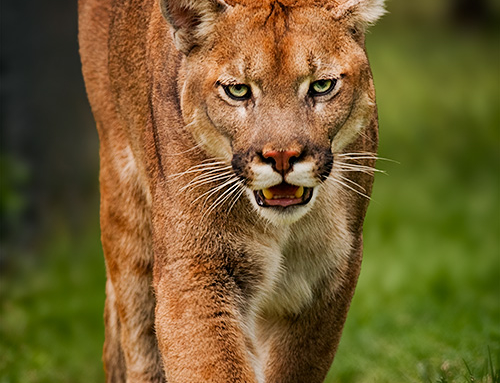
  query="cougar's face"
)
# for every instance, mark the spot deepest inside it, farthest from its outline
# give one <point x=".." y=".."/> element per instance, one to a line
<point x="277" y="94"/>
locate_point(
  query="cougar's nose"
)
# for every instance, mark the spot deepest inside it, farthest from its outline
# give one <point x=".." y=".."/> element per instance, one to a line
<point x="282" y="160"/>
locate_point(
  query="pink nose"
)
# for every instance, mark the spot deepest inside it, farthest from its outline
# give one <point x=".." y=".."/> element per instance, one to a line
<point x="281" y="159"/>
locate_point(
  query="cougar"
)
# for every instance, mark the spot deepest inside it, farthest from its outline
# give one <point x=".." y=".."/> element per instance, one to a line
<point x="237" y="147"/>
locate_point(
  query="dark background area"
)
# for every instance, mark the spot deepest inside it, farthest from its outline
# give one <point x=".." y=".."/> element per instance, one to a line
<point x="427" y="305"/>
<point x="48" y="144"/>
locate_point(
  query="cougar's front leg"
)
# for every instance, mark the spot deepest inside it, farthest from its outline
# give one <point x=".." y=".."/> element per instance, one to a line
<point x="199" y="320"/>
<point x="300" y="348"/>
<point x="114" y="362"/>
<point x="130" y="352"/>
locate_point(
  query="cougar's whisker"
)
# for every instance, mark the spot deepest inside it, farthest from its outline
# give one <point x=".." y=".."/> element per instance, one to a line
<point x="336" y="180"/>
<point x="208" y="178"/>
<point x="364" y="156"/>
<point x="368" y="154"/>
<point x="198" y="146"/>
<point x="223" y="198"/>
<point x="200" y="183"/>
<point x="351" y="182"/>
<point x="344" y="166"/>
<point x="237" y="196"/>
<point x="214" y="190"/>
<point x="199" y="170"/>
<point x="219" y="160"/>
<point x="205" y="176"/>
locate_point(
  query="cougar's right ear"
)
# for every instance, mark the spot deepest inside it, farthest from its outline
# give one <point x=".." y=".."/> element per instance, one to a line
<point x="191" y="20"/>
<point x="362" y="13"/>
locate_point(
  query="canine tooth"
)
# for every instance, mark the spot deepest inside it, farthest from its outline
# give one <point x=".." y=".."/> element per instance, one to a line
<point x="300" y="192"/>
<point x="268" y="194"/>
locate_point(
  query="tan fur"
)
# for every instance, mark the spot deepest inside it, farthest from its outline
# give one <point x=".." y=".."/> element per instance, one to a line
<point x="205" y="285"/>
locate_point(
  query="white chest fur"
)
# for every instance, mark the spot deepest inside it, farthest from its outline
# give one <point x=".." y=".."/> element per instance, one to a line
<point x="300" y="256"/>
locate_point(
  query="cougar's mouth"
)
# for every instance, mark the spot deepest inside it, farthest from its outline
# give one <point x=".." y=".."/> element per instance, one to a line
<point x="283" y="195"/>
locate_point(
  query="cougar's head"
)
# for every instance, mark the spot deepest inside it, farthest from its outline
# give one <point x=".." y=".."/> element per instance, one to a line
<point x="276" y="89"/>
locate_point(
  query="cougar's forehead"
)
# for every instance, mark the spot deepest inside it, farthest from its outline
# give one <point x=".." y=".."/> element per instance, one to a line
<point x="272" y="45"/>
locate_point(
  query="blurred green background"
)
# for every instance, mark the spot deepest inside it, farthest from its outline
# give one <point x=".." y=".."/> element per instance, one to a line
<point x="427" y="306"/>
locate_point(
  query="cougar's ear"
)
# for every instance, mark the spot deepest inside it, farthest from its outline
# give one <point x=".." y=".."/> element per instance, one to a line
<point x="362" y="12"/>
<point x="191" y="20"/>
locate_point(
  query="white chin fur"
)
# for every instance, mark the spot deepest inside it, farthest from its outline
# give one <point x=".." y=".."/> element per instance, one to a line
<point x="280" y="216"/>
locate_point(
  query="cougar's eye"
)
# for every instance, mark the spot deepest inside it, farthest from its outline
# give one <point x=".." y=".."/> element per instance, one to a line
<point x="239" y="92"/>
<point x="322" y="87"/>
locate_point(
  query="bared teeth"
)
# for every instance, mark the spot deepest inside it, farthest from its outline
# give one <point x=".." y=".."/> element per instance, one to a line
<point x="300" y="192"/>
<point x="283" y="196"/>
<point x="268" y="194"/>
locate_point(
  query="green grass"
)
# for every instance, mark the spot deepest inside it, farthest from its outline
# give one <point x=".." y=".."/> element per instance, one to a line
<point x="427" y="304"/>
<point x="51" y="305"/>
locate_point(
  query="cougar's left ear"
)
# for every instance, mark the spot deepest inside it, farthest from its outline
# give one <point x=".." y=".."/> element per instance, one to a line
<point x="191" y="20"/>
<point x="362" y="12"/>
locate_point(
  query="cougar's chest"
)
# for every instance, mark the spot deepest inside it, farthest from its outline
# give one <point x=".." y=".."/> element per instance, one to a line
<point x="298" y="260"/>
